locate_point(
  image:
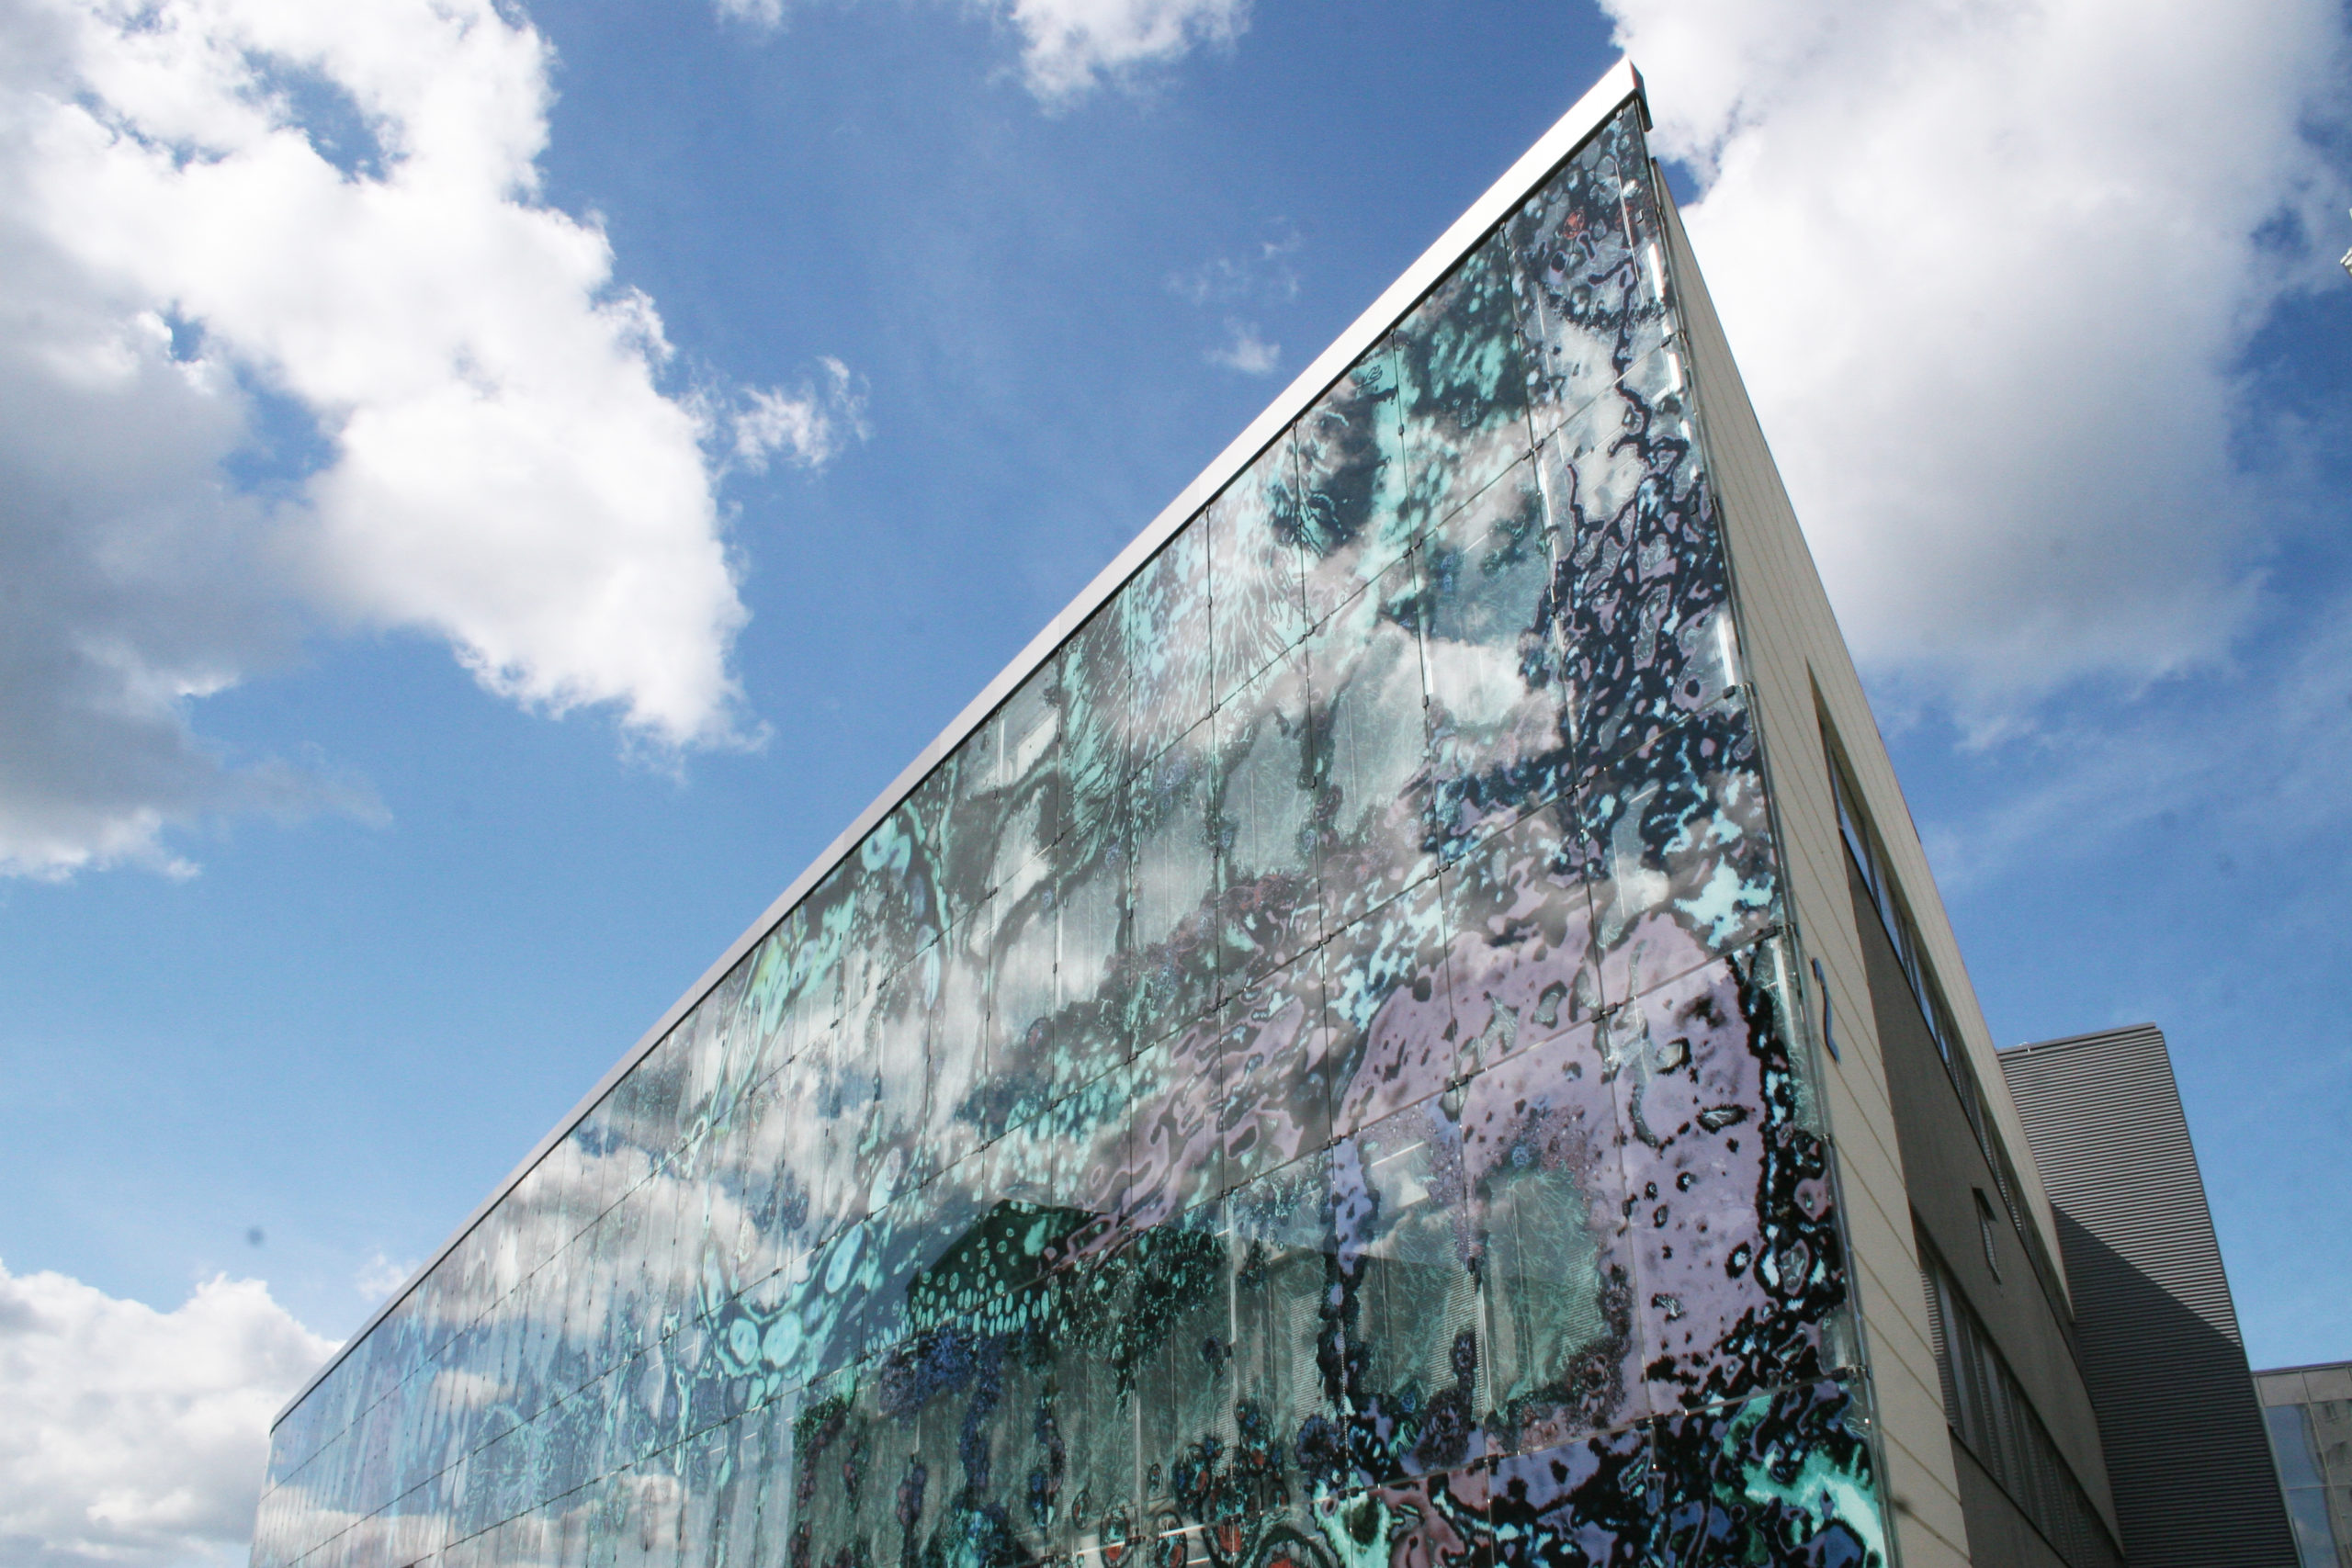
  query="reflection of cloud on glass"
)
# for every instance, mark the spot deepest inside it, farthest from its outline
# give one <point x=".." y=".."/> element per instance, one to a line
<point x="464" y="1388"/>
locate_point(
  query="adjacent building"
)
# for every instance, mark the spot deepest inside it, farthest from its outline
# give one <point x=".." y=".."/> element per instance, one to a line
<point x="2156" y="1332"/>
<point x="2309" y="1413"/>
<point x="1410" y="1026"/>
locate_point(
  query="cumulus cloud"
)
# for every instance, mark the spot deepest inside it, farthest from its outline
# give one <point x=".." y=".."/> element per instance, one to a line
<point x="292" y="342"/>
<point x="1992" y="272"/>
<point x="1245" y="351"/>
<point x="134" y="1438"/>
<point x="1069" y="47"/>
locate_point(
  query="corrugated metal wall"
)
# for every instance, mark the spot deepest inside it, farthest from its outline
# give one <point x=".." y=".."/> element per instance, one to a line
<point x="2185" y="1453"/>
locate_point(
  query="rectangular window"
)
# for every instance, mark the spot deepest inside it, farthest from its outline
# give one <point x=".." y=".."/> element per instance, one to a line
<point x="1868" y="852"/>
<point x="1985" y="1233"/>
<point x="2291" y="1442"/>
<point x="1993" y="1418"/>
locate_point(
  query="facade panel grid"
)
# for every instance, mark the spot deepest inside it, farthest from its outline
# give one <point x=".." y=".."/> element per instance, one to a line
<point x="1314" y="1073"/>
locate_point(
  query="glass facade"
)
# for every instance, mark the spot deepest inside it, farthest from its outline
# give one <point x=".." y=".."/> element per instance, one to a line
<point x="1315" y="1079"/>
<point x="2308" y="1410"/>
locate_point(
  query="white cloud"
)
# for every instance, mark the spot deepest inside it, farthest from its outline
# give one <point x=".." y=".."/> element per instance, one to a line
<point x="1263" y="274"/>
<point x="1245" y="351"/>
<point x="134" y="1438"/>
<point x="1069" y="47"/>
<point x="759" y="13"/>
<point x="380" y="1276"/>
<point x="808" y="426"/>
<point x="303" y="245"/>
<point x="1991" y="270"/>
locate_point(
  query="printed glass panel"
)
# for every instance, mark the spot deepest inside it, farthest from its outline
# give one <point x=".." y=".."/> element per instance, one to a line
<point x="1274" y="1073"/>
<point x="1646" y="633"/>
<point x="1288" y="1340"/>
<point x="1098" y="967"/>
<point x="1173" y="893"/>
<point x="1546" y="1180"/>
<point x="1680" y="837"/>
<point x="1265" y="824"/>
<point x="1523" y="962"/>
<point x="1462" y="387"/>
<point x="1352" y="486"/>
<point x="1411" y="1307"/>
<point x="1739" y="1280"/>
<point x="1588" y="1503"/>
<point x="1500" y="714"/>
<point x="1364" y="670"/>
<point x="1309" y="1082"/>
<point x="1258" y="602"/>
<point x="1393" y="1036"/>
<point x="1786" y="1477"/>
<point x="1589" y="273"/>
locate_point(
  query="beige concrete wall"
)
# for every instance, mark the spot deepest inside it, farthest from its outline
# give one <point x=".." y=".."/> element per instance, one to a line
<point x="1791" y="650"/>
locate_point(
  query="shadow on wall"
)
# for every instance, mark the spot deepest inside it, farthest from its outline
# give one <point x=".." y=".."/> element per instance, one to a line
<point x="2186" y="1452"/>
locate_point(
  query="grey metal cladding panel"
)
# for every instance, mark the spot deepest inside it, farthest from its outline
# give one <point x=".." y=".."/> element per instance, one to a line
<point x="2104" y="1117"/>
<point x="1942" y="1161"/>
<point x="2305" y="1385"/>
<point x="2185" y="1450"/>
<point x="2279" y="1388"/>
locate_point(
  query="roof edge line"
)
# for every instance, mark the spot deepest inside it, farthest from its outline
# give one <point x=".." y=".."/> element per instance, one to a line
<point x="2028" y="1047"/>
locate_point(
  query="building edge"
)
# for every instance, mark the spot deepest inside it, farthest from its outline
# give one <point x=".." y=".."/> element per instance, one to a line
<point x="1777" y="598"/>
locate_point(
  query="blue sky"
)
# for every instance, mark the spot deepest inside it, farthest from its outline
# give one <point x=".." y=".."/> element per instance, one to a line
<point x="337" y="872"/>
